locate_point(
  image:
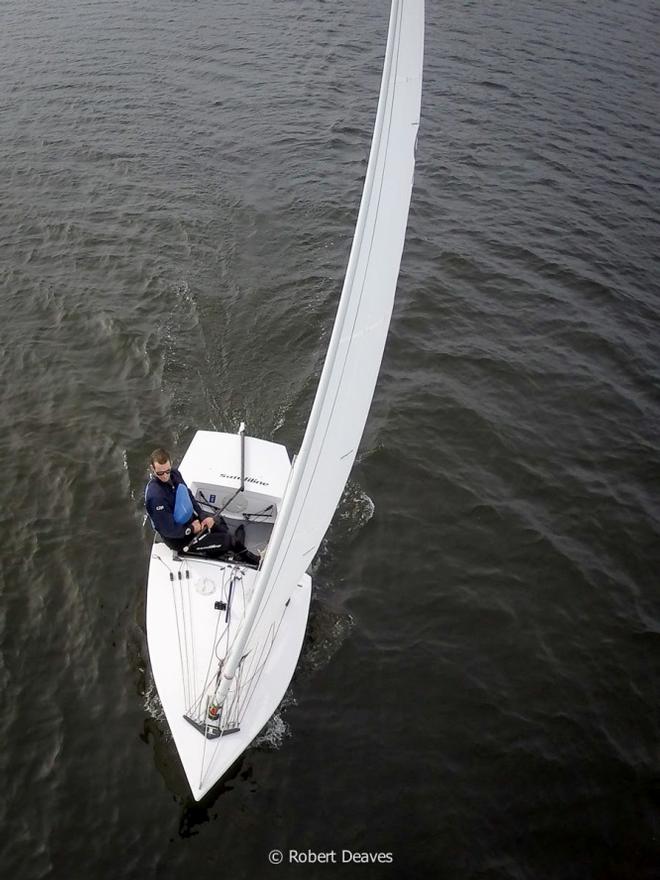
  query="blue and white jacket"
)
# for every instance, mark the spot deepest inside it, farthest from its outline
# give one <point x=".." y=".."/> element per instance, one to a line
<point x="159" y="501"/>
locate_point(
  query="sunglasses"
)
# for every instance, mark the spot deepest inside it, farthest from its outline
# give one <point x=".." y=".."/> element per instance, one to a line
<point x="162" y="473"/>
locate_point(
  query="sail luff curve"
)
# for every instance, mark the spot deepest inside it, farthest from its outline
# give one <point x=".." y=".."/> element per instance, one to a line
<point x="356" y="347"/>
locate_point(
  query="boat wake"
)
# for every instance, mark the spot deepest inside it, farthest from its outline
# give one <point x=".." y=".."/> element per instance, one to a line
<point x="354" y="511"/>
<point x="273" y="735"/>
<point x="327" y="632"/>
<point x="152" y="704"/>
<point x="277" y="729"/>
<point x="355" y="507"/>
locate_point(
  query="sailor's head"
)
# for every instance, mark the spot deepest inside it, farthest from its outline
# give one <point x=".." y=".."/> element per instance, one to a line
<point x="161" y="465"/>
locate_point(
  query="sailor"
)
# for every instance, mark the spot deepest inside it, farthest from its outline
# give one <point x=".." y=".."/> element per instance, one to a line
<point x="179" y="519"/>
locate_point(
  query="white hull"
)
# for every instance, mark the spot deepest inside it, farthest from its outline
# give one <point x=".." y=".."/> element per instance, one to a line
<point x="188" y="634"/>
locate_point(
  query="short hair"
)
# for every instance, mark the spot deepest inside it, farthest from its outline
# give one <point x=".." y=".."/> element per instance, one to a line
<point x="159" y="456"/>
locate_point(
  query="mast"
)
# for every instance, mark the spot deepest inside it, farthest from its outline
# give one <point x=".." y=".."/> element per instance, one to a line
<point x="355" y="351"/>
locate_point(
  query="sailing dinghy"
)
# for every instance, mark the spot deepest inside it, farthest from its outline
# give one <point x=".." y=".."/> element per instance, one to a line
<point x="224" y="638"/>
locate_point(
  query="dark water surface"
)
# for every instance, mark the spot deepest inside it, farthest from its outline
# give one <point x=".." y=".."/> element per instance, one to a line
<point x="478" y="694"/>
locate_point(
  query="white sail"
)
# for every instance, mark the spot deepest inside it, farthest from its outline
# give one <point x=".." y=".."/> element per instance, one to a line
<point x="353" y="360"/>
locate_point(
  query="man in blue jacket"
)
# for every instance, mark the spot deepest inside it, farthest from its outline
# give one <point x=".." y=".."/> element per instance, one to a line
<point x="159" y="500"/>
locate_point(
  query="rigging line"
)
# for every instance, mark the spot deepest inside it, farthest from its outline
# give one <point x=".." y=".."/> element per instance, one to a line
<point x="201" y="768"/>
<point x="238" y="700"/>
<point x="237" y="573"/>
<point x="192" y="621"/>
<point x="223" y="727"/>
<point x="244" y="601"/>
<point x="274" y="637"/>
<point x="257" y="652"/>
<point x="184" y="666"/>
<point x="241" y="488"/>
<point x="178" y="636"/>
<point x="215" y="642"/>
<point x="228" y="647"/>
<point x="230" y="698"/>
<point x="215" y="507"/>
<point x="219" y="564"/>
<point x="233" y="712"/>
<point x="256" y="676"/>
<point x="249" y="666"/>
<point x="233" y="701"/>
<point x="253" y="677"/>
<point x="196" y="706"/>
<point x="221" y="660"/>
<point x="225" y="632"/>
<point x="236" y="578"/>
<point x="258" y="672"/>
<point x="160" y="559"/>
<point x="185" y="636"/>
<point x="237" y="628"/>
<point x="207" y="678"/>
<point x="214" y="755"/>
<point x="375" y="185"/>
<point x="261" y="513"/>
<point x="225" y="506"/>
